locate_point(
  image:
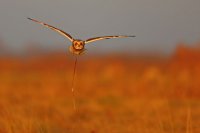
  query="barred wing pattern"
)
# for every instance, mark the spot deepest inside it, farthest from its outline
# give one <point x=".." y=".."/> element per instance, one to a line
<point x="104" y="37"/>
<point x="54" y="28"/>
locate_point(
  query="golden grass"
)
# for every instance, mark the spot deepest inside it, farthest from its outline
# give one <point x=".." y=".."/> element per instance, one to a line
<point x="114" y="95"/>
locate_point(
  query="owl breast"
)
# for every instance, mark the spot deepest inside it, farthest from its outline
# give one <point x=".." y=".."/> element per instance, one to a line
<point x="76" y="51"/>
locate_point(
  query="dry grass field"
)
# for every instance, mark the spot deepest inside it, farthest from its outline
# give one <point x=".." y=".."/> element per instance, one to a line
<point x="114" y="94"/>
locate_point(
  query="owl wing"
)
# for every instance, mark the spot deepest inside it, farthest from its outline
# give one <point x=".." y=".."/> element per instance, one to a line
<point x="54" y="28"/>
<point x="104" y="37"/>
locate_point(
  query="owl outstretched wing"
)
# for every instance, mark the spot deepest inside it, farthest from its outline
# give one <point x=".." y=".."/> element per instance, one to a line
<point x="54" y="28"/>
<point x="104" y="37"/>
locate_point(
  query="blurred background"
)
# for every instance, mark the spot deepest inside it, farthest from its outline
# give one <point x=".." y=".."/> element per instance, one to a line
<point x="149" y="83"/>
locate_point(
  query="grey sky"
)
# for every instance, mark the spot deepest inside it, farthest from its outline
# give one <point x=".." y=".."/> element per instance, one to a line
<point x="157" y="24"/>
